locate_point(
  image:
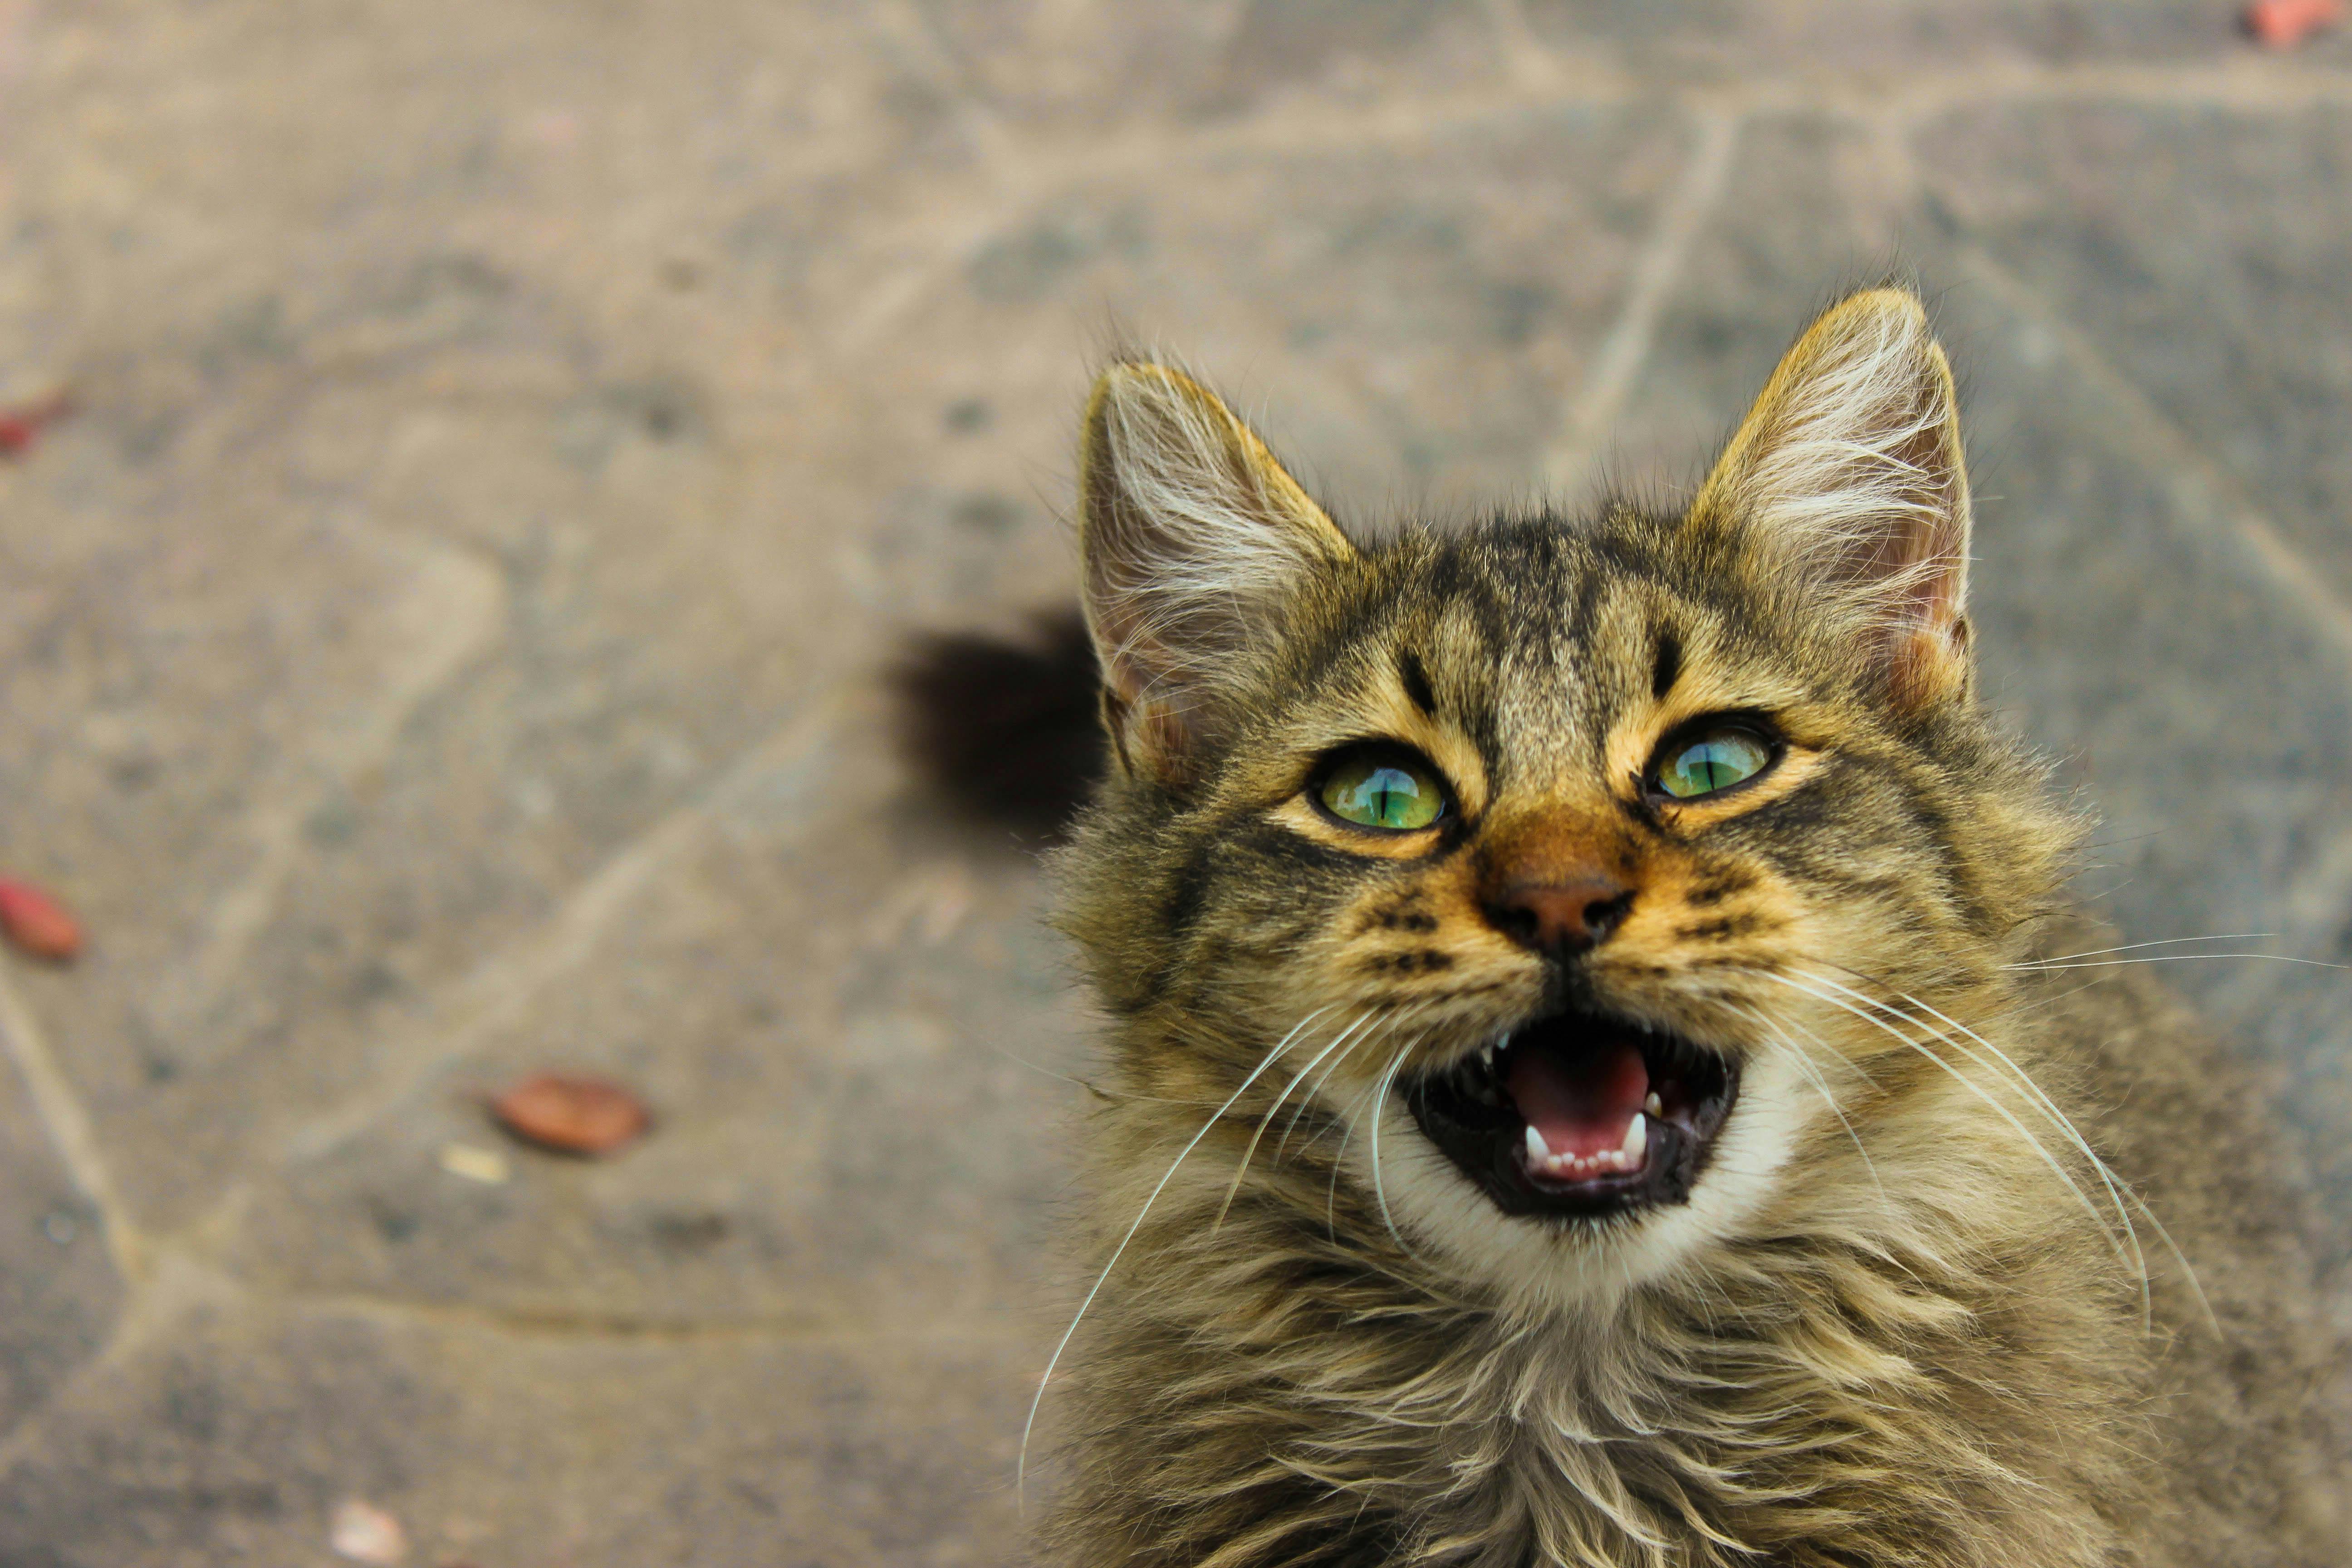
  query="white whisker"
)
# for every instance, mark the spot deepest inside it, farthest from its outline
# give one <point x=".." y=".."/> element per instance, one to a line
<point x="2050" y="965"/>
<point x="2135" y="946"/>
<point x="1813" y="1074"/>
<point x="1020" y="1464"/>
<point x="1973" y="1088"/>
<point x="1241" y="1168"/>
<point x="1379" y="1104"/>
<point x="1391" y="1022"/>
<point x="2115" y="1184"/>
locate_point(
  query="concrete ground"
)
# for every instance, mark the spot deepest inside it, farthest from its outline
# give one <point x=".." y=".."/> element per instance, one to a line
<point x="509" y="436"/>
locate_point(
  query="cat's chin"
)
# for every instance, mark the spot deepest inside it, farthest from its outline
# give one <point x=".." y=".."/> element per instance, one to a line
<point x="1578" y="1114"/>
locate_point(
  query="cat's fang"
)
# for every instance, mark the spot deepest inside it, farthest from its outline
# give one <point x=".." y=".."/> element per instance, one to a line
<point x="1534" y="1130"/>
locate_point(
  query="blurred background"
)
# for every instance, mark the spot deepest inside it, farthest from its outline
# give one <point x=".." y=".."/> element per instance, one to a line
<point x="469" y="463"/>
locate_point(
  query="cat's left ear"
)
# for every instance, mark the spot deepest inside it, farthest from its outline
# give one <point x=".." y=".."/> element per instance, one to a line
<point x="1193" y="541"/>
<point x="1848" y="474"/>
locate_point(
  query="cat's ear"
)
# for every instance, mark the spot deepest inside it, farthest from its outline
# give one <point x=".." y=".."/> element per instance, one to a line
<point x="1192" y="537"/>
<point x="1848" y="473"/>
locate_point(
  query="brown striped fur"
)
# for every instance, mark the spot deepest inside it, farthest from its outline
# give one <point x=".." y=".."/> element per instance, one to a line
<point x="1899" y="1319"/>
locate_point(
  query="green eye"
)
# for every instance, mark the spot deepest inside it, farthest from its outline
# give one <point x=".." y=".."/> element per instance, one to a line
<point x="1383" y="789"/>
<point x="1716" y="761"/>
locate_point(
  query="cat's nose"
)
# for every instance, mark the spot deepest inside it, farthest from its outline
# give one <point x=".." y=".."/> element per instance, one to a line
<point x="1561" y="919"/>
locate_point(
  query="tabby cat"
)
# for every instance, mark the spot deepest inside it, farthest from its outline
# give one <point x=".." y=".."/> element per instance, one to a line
<point x="1587" y="1080"/>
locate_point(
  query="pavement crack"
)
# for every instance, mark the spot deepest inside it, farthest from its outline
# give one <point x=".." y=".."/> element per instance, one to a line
<point x="2194" y="479"/>
<point x="1655" y="273"/>
<point x="503" y="986"/>
<point x="70" y="1129"/>
<point x="561" y="1324"/>
<point x="453" y="609"/>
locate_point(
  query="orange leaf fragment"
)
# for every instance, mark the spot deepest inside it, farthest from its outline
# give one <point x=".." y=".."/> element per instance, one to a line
<point x="572" y="1115"/>
<point x="37" y="923"/>
<point x="20" y="427"/>
<point x="2284" y="23"/>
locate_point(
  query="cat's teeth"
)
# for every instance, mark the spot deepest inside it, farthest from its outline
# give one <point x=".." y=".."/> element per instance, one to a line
<point x="1654" y="1106"/>
<point x="1626" y="1157"/>
<point x="1637" y="1141"/>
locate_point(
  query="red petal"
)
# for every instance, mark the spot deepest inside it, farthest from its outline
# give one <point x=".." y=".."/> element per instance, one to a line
<point x="20" y="427"/>
<point x="2284" y="24"/>
<point x="37" y="922"/>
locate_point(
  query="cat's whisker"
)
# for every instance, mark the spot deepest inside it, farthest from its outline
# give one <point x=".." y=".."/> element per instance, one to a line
<point x="1391" y="1022"/>
<point x="2115" y="1183"/>
<point x="2023" y="1132"/>
<point x="1813" y="1074"/>
<point x="1339" y="1160"/>
<point x="1241" y="1168"/>
<point x="2048" y="966"/>
<point x="2135" y="946"/>
<point x="1306" y="1102"/>
<point x="1380" y="1106"/>
<point x="1021" y="1464"/>
<point x="2117" y="1192"/>
<point x="2041" y="1103"/>
<point x="1331" y="1188"/>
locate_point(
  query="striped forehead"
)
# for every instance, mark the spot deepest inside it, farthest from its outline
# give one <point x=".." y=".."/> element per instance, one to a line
<point x="1551" y="637"/>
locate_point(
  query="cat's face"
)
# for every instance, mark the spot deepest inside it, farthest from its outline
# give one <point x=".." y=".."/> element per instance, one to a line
<point x="1555" y="876"/>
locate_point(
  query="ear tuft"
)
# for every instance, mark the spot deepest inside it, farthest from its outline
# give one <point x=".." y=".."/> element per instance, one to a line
<point x="1848" y="472"/>
<point x="1192" y="536"/>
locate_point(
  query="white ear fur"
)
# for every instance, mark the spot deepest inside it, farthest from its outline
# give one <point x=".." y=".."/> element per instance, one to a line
<point x="1849" y="472"/>
<point x="1191" y="536"/>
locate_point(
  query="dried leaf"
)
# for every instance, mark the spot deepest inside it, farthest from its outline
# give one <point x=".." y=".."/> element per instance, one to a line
<point x="35" y="923"/>
<point x="573" y="1115"/>
<point x="20" y="427"/>
<point x="2286" y="24"/>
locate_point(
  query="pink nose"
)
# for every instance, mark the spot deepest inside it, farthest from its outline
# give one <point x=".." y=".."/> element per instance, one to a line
<point x="1561" y="919"/>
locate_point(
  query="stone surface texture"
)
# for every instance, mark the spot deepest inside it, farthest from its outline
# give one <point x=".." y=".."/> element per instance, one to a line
<point x="509" y="437"/>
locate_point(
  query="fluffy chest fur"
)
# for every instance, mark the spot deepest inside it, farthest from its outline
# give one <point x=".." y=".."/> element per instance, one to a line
<point x="1296" y="1383"/>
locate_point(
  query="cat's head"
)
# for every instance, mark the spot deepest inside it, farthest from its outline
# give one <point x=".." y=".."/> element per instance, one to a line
<point x="1569" y="879"/>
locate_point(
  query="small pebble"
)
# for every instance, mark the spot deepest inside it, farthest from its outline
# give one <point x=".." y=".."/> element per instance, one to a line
<point x="365" y="1534"/>
<point x="572" y="1115"/>
<point x="486" y="1166"/>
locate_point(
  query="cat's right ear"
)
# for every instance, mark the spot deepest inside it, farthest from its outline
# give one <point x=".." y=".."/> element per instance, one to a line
<point x="1193" y="537"/>
<point x="1847" y="480"/>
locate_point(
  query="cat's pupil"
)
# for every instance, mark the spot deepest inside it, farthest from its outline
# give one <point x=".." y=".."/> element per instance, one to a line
<point x="1382" y="795"/>
<point x="1391" y="792"/>
<point x="1716" y="762"/>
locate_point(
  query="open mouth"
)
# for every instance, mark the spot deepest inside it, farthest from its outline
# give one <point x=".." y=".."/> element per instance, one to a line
<point x="1580" y="1114"/>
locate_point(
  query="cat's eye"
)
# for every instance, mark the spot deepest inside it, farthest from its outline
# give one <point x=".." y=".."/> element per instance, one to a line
<point x="1382" y="787"/>
<point x="1712" y="760"/>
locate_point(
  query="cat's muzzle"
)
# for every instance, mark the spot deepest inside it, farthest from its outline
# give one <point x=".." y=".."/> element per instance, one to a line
<point x="1578" y="1114"/>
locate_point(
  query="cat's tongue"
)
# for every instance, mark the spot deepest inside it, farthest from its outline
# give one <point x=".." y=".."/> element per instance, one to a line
<point x="1581" y="1102"/>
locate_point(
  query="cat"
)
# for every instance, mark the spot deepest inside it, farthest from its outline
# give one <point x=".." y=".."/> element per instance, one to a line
<point x="1590" y="1078"/>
